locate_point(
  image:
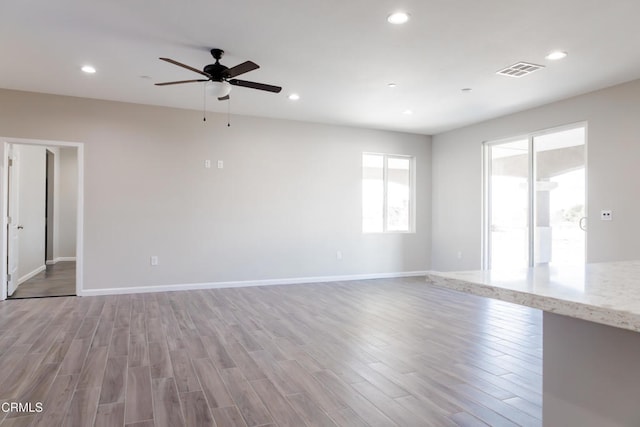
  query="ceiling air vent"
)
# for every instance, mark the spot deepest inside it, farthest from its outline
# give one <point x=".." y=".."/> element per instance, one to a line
<point x="519" y="69"/>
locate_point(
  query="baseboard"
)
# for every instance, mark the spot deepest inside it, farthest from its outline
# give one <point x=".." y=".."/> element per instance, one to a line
<point x="31" y="274"/>
<point x="59" y="259"/>
<point x="246" y="283"/>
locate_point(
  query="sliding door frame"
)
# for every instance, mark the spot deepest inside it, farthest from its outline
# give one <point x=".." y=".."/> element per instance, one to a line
<point x="531" y="181"/>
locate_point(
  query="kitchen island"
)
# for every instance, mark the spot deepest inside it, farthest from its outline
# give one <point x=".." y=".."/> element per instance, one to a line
<point x="591" y="335"/>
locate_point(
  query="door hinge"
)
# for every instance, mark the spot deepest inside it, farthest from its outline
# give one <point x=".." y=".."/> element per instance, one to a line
<point x="8" y="220"/>
<point x="8" y="277"/>
<point x="10" y="162"/>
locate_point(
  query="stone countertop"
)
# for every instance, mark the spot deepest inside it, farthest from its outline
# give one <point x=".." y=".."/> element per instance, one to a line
<point x="606" y="293"/>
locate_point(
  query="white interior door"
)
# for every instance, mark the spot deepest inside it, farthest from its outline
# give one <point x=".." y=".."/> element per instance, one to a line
<point x="13" y="224"/>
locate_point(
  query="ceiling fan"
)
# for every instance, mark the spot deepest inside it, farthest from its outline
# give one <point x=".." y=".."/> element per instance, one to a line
<point x="222" y="77"/>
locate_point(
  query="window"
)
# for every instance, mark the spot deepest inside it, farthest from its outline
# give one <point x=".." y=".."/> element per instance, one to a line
<point x="387" y="193"/>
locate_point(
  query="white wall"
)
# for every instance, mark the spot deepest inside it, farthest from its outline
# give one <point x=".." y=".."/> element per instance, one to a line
<point x="287" y="199"/>
<point x="613" y="150"/>
<point x="31" y="208"/>
<point x="66" y="202"/>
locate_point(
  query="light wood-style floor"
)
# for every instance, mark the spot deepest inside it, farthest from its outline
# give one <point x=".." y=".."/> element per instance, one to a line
<point x="58" y="279"/>
<point x="386" y="353"/>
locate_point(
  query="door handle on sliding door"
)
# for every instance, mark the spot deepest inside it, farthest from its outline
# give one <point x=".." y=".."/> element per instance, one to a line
<point x="583" y="223"/>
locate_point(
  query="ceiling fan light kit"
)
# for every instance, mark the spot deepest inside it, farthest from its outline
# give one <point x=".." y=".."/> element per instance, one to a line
<point x="219" y="89"/>
<point x="221" y="76"/>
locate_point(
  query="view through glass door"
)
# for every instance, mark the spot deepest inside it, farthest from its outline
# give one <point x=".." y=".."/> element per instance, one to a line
<point x="538" y="179"/>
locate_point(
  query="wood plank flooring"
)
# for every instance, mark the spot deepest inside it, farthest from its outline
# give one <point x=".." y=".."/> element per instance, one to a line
<point x="394" y="352"/>
<point x="58" y="279"/>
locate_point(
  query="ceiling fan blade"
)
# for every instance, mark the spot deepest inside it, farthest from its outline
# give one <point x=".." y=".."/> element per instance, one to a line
<point x="254" y="85"/>
<point x="181" y="81"/>
<point x="245" y="67"/>
<point x="180" y="64"/>
<point x="223" y="98"/>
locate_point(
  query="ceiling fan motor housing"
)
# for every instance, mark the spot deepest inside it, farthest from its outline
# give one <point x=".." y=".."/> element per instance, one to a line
<point x="216" y="71"/>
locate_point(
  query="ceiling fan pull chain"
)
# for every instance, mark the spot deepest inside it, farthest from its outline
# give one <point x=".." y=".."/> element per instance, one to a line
<point x="204" y="102"/>
<point x="229" y="112"/>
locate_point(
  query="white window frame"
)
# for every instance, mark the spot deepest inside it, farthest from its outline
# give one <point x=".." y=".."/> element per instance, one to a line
<point x="412" y="192"/>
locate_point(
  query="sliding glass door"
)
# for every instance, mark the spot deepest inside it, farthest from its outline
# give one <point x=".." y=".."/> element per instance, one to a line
<point x="537" y="179"/>
<point x="508" y="203"/>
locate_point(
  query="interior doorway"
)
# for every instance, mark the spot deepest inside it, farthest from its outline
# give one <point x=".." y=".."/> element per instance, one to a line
<point x="538" y="180"/>
<point x="43" y="218"/>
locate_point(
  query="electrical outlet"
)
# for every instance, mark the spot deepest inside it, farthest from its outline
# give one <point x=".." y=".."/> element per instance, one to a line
<point x="207" y="164"/>
<point x="606" y="215"/>
<point x="339" y="255"/>
<point x="154" y="260"/>
<point x="220" y="164"/>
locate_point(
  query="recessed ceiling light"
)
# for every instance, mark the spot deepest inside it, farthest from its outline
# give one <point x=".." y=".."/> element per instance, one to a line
<point x="555" y="55"/>
<point x="392" y="85"/>
<point x="398" y="18"/>
<point x="294" y="97"/>
<point x="88" y="69"/>
<point x="407" y="112"/>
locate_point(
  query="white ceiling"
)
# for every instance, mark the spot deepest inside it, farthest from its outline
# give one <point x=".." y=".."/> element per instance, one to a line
<point x="338" y="55"/>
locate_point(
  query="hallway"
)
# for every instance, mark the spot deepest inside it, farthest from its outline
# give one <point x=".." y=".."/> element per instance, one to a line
<point x="57" y="280"/>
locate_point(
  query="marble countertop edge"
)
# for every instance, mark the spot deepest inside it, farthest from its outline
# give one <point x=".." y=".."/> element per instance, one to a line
<point x="603" y="315"/>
